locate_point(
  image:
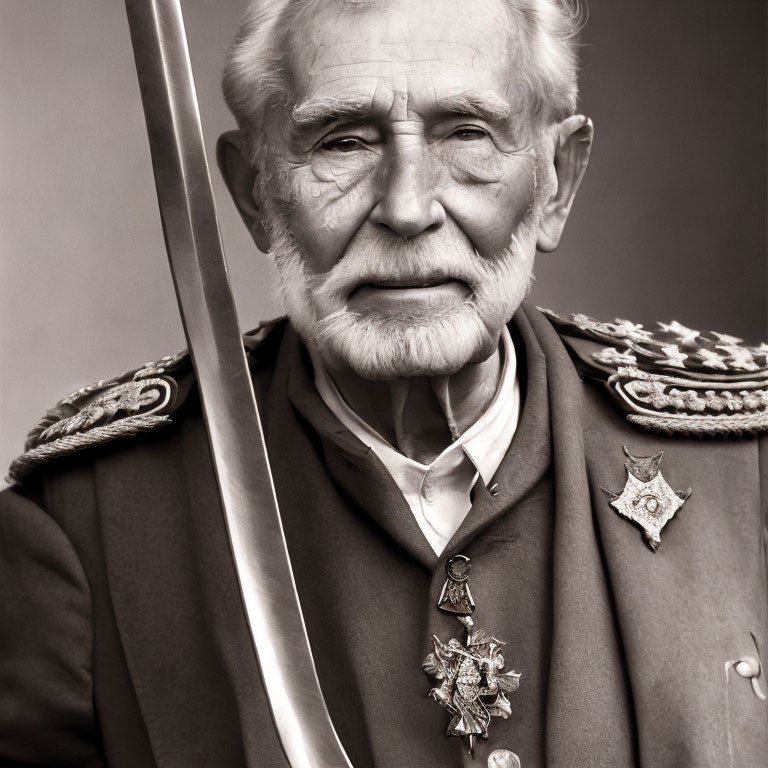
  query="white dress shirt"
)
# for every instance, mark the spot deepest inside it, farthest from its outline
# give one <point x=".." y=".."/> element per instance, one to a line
<point x="439" y="493"/>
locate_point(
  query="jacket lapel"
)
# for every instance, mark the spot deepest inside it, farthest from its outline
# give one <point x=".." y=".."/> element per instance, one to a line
<point x="353" y="465"/>
<point x="178" y="607"/>
<point x="529" y="455"/>
<point x="589" y="711"/>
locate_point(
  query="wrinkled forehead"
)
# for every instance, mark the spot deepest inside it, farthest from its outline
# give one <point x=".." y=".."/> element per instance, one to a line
<point x="385" y="48"/>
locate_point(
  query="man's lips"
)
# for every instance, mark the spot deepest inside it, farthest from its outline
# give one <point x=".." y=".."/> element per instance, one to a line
<point x="412" y="283"/>
<point x="399" y="293"/>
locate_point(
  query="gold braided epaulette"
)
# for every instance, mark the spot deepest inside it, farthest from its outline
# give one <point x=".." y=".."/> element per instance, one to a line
<point x="675" y="379"/>
<point x="138" y="401"/>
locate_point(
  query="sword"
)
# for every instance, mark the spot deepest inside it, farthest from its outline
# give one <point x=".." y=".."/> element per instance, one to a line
<point x="196" y="257"/>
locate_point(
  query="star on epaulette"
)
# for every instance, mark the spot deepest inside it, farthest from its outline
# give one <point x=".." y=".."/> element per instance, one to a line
<point x="676" y="379"/>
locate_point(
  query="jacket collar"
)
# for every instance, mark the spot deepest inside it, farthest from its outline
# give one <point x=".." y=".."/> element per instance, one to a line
<point x="356" y="468"/>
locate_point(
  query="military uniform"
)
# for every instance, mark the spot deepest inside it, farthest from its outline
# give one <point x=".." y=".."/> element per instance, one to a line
<point x="123" y="640"/>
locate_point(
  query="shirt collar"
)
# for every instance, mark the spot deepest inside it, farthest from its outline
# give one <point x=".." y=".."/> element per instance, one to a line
<point x="487" y="440"/>
<point x="485" y="443"/>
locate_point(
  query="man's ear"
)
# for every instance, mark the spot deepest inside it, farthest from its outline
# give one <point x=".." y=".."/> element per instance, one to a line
<point x="242" y="181"/>
<point x="573" y="142"/>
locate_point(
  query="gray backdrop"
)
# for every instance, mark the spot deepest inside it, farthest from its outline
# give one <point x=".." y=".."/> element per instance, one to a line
<point x="670" y="221"/>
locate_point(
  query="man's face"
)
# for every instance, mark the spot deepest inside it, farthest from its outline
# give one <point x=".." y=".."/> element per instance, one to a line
<point x="401" y="193"/>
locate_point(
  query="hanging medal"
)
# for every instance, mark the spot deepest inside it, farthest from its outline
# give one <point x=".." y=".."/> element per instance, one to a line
<point x="471" y="683"/>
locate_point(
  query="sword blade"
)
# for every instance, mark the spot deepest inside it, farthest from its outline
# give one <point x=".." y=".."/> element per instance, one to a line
<point x="240" y="460"/>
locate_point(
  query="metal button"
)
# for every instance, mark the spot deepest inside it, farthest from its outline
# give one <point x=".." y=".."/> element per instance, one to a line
<point x="503" y="758"/>
<point x="494" y="489"/>
<point x="748" y="667"/>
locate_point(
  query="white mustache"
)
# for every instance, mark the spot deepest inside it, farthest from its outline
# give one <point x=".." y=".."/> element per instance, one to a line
<point x="386" y="260"/>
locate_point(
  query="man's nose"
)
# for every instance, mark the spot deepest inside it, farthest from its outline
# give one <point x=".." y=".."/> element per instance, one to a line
<point x="407" y="202"/>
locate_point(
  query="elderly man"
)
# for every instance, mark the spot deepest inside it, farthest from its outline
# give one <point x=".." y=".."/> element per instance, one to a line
<point x="402" y="163"/>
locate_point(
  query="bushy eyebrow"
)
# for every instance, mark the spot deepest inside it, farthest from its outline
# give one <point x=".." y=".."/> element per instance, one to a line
<point x="487" y="106"/>
<point x="315" y="114"/>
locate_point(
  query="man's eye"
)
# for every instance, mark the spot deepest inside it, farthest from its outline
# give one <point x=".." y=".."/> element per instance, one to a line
<point x="342" y="144"/>
<point x="468" y="134"/>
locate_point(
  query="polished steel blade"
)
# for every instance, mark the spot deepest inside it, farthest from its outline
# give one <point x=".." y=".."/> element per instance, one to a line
<point x="207" y="308"/>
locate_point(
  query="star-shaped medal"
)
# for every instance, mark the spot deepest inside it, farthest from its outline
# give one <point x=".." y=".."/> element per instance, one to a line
<point x="647" y="498"/>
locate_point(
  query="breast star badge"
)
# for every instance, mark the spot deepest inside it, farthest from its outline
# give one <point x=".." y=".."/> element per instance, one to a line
<point x="647" y="498"/>
<point x="471" y="683"/>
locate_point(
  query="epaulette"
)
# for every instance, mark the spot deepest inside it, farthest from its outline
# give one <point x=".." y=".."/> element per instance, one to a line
<point x="675" y="379"/>
<point x="139" y="401"/>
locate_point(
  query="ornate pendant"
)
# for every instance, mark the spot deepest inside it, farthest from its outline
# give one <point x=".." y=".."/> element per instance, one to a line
<point x="472" y="685"/>
<point x="647" y="498"/>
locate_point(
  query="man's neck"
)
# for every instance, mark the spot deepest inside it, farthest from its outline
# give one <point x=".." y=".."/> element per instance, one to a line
<point x="421" y="415"/>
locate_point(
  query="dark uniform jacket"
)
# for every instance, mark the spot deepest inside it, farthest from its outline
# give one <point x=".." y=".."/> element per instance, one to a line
<point x="123" y="641"/>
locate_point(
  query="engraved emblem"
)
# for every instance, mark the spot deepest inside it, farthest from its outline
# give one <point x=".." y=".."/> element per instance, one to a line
<point x="647" y="498"/>
<point x="472" y="685"/>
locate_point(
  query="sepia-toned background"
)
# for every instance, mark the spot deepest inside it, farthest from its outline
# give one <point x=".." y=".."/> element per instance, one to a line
<point x="670" y="221"/>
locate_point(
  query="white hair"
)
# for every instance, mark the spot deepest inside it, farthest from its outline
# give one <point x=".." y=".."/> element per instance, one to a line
<point x="256" y="77"/>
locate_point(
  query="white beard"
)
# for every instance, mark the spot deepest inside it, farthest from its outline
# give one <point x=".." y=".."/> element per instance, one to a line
<point x="433" y="343"/>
